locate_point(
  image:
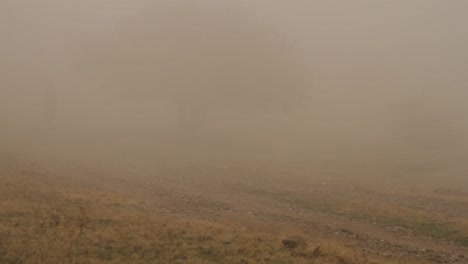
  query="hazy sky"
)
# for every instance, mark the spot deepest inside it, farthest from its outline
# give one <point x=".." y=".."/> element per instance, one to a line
<point x="384" y="72"/>
<point x="414" y="43"/>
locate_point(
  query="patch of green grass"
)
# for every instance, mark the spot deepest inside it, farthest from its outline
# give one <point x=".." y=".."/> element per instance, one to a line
<point x="434" y="229"/>
<point x="210" y="253"/>
<point x="357" y="215"/>
<point x="105" y="221"/>
<point x="431" y="228"/>
<point x="462" y="240"/>
<point x="323" y="206"/>
<point x="314" y="205"/>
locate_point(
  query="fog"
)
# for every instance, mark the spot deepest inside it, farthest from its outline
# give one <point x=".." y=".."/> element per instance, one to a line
<point x="352" y="85"/>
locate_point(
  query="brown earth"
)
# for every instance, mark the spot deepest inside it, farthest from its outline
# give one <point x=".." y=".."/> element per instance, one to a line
<point x="205" y="213"/>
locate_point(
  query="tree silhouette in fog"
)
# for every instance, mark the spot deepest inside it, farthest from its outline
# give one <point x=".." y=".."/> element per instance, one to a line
<point x="201" y="57"/>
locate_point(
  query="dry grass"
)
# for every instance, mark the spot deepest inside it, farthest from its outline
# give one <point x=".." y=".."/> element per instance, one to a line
<point x="42" y="222"/>
<point x="426" y="223"/>
<point x="46" y="218"/>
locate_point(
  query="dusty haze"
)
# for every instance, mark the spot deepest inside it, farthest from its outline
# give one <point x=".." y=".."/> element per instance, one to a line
<point x="349" y="85"/>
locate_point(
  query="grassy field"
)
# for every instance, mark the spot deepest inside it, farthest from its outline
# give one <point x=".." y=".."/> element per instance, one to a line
<point x="46" y="217"/>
